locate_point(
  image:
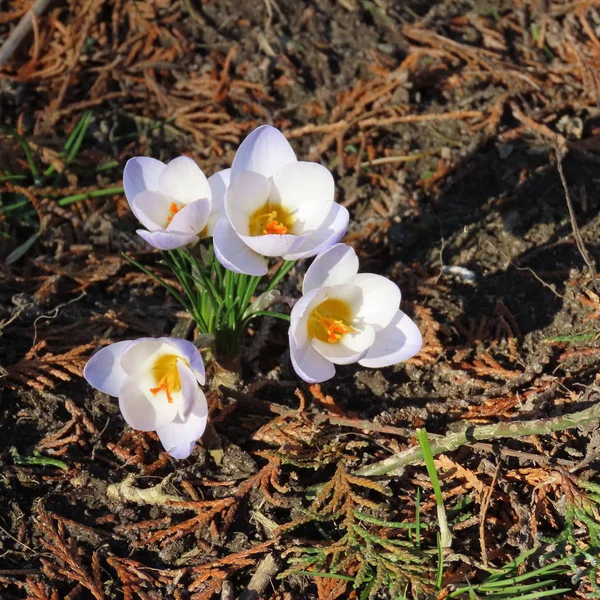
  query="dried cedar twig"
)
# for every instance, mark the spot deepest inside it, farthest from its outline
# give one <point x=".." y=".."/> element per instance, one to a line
<point x="54" y="539"/>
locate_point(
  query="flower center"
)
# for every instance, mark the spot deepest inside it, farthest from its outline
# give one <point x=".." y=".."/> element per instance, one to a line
<point x="269" y="220"/>
<point x="174" y="208"/>
<point x="330" y="321"/>
<point x="166" y="376"/>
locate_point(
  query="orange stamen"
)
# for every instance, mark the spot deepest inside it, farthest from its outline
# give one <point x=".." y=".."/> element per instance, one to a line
<point x="164" y="386"/>
<point x="173" y="210"/>
<point x="275" y="227"/>
<point x="167" y="376"/>
<point x="270" y="220"/>
<point x="335" y="328"/>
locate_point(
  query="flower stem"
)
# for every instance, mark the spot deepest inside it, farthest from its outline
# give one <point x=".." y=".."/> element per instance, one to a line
<point x="513" y="429"/>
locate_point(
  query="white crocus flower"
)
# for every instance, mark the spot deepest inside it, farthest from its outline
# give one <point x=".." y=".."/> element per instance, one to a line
<point x="174" y="201"/>
<point x="346" y="317"/>
<point x="275" y="206"/>
<point x="156" y="381"/>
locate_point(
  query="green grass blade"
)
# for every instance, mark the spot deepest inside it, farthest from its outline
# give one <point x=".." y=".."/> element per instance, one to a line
<point x="159" y="280"/>
<point x="327" y="575"/>
<point x="418" y="518"/>
<point x="267" y="313"/>
<point x="280" y="274"/>
<point x="4" y="178"/>
<point x="26" y="150"/>
<point x="554" y="568"/>
<point x="88" y="195"/>
<point x="73" y="148"/>
<point x="446" y="535"/>
<point x="531" y="596"/>
<point x="439" y="578"/>
<point x="369" y="519"/>
<point x="73" y="143"/>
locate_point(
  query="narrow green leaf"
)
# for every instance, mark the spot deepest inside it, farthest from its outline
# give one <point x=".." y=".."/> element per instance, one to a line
<point x="280" y="274"/>
<point x="26" y="150"/>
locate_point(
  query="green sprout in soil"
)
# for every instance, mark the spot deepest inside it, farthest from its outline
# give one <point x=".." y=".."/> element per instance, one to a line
<point x="37" y="460"/>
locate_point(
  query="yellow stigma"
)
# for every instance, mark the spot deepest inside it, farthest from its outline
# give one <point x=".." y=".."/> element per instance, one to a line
<point x="174" y="208"/>
<point x="269" y="220"/>
<point x="329" y="322"/>
<point x="166" y="376"/>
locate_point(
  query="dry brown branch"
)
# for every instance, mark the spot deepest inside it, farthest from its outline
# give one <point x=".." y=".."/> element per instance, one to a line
<point x="55" y="539"/>
<point x="139" y="581"/>
<point x="331" y="589"/>
<point x="211" y="574"/>
<point x="206" y="511"/>
<point x="45" y="372"/>
<point x="543" y="130"/>
<point x="485" y="503"/>
<point x="40" y="591"/>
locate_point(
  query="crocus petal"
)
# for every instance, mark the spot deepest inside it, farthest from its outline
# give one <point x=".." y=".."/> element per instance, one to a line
<point x="350" y="294"/>
<point x="141" y="409"/>
<point x="309" y="364"/>
<point x="179" y="437"/>
<point x="306" y="190"/>
<point x="141" y="173"/>
<point x="141" y="356"/>
<point x="183" y="181"/>
<point x="167" y="240"/>
<point x="152" y="209"/>
<point x="188" y="351"/>
<point x="219" y="182"/>
<point x="335" y="266"/>
<point x="400" y="340"/>
<point x="189" y="393"/>
<point x="350" y="349"/>
<point x="264" y="151"/>
<point x="300" y="312"/>
<point x="104" y="372"/>
<point x="381" y="299"/>
<point x="248" y="193"/>
<point x="191" y="218"/>
<point x="272" y="245"/>
<point x="213" y="219"/>
<point x="329" y="233"/>
<point x="233" y="254"/>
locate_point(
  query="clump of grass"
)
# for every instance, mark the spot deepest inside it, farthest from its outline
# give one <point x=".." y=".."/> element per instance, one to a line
<point x="27" y="192"/>
<point x="579" y="540"/>
<point x="510" y="583"/>
<point x="50" y="177"/>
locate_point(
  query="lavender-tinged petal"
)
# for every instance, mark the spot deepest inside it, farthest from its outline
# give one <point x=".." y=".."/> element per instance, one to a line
<point x="179" y="437"/>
